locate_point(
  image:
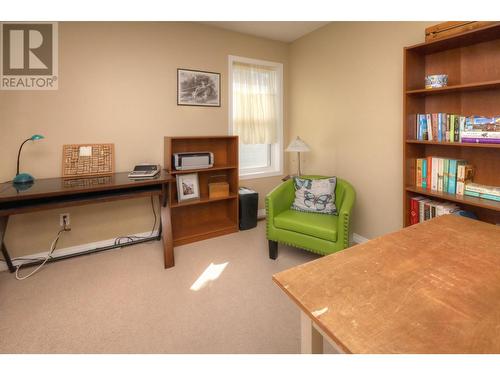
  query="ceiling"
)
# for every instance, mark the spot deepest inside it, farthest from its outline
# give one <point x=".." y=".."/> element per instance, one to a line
<point x="284" y="31"/>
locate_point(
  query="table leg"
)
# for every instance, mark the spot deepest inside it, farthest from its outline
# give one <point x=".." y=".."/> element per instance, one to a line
<point x="3" y="227"/>
<point x="311" y="341"/>
<point x="166" y="229"/>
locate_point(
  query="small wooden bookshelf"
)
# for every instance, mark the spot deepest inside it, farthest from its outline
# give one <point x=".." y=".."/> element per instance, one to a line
<point x="205" y="217"/>
<point x="472" y="62"/>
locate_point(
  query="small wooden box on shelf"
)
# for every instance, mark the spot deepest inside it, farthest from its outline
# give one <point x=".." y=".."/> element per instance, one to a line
<point x="472" y="62"/>
<point x="207" y="216"/>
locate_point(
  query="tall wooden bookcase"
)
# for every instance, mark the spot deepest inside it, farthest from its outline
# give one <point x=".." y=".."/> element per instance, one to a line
<point x="472" y="62"/>
<point x="205" y="217"/>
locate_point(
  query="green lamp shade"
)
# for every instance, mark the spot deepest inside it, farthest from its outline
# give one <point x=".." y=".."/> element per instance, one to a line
<point x="25" y="178"/>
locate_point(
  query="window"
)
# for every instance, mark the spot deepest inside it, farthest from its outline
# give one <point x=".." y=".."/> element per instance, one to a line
<point x="256" y="115"/>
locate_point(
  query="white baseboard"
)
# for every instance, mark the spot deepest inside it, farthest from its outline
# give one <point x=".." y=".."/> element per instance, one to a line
<point x="72" y="249"/>
<point x="358" y="239"/>
<point x="261" y="214"/>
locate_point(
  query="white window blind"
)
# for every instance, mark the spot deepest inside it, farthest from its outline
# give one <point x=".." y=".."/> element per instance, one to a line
<point x="255" y="103"/>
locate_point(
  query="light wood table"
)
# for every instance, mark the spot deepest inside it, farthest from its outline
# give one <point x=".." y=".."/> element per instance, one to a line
<point x="433" y="287"/>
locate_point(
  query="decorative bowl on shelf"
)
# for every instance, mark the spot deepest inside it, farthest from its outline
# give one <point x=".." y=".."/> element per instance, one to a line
<point x="435" y="81"/>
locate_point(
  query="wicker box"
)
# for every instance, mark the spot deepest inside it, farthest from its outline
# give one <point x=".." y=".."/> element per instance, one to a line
<point x="218" y="189"/>
<point x="450" y="28"/>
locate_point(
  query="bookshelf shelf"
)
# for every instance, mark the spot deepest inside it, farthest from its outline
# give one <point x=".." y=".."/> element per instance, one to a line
<point x="454" y="144"/>
<point x="464" y="199"/>
<point x="201" y="170"/>
<point x="208" y="229"/>
<point x="477" y="86"/>
<point x="472" y="62"/>
<point x="203" y="200"/>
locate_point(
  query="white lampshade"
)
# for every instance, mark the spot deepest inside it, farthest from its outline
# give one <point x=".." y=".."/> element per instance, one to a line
<point x="298" y="145"/>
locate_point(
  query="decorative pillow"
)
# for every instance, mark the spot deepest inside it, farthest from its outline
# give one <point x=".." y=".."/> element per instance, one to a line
<point x="315" y="195"/>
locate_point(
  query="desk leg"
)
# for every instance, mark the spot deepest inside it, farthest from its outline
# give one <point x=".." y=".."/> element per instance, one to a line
<point x="166" y="229"/>
<point x="311" y="341"/>
<point x="3" y="227"/>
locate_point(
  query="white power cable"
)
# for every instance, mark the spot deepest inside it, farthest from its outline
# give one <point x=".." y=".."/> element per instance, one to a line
<point x="49" y="255"/>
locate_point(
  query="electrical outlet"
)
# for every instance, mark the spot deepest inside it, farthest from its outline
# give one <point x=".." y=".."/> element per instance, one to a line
<point x="62" y="218"/>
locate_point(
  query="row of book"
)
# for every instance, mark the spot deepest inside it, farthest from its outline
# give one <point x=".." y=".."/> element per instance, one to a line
<point x="445" y="127"/>
<point x="482" y="191"/>
<point x="443" y="175"/>
<point x="422" y="209"/>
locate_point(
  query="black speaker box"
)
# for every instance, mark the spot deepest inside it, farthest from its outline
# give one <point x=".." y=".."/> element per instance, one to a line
<point x="249" y="202"/>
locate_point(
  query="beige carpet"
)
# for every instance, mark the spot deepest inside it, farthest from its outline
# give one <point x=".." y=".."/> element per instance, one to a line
<point x="123" y="301"/>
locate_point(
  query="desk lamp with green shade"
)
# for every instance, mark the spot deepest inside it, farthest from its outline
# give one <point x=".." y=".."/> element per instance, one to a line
<point x="25" y="178"/>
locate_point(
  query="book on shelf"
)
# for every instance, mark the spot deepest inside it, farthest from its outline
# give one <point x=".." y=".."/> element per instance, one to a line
<point x="434" y="174"/>
<point x="482" y="195"/>
<point x="495" y="190"/>
<point x="452" y="175"/>
<point x="465" y="172"/>
<point x="419" y="173"/>
<point x="444" y="127"/>
<point x="451" y="137"/>
<point x="442" y="174"/>
<point x="423" y="209"/>
<point x="482" y="191"/>
<point x="446" y="164"/>
<point x="423" y="178"/>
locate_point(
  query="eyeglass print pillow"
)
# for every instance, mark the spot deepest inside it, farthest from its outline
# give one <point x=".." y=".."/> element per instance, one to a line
<point x="315" y="195"/>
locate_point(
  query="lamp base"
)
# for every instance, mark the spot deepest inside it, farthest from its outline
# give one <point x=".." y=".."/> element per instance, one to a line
<point x="23" y="178"/>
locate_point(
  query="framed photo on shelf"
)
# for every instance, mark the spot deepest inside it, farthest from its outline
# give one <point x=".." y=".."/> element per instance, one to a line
<point x="187" y="187"/>
<point x="198" y="88"/>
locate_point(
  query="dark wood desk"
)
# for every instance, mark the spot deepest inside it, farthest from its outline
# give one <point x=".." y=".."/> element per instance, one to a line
<point x="51" y="193"/>
<point x="433" y="287"/>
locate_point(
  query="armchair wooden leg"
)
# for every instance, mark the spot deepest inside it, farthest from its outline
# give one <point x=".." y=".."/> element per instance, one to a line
<point x="273" y="249"/>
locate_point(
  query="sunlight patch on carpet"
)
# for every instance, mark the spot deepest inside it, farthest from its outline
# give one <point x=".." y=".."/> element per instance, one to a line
<point x="211" y="273"/>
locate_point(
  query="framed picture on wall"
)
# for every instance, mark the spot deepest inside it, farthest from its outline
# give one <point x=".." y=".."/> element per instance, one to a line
<point x="198" y="88"/>
<point x="187" y="187"/>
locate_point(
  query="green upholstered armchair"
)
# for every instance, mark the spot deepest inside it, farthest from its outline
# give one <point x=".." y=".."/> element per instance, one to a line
<point x="319" y="233"/>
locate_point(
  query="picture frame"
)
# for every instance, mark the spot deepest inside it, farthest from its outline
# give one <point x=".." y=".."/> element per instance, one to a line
<point x="188" y="187"/>
<point x="198" y="88"/>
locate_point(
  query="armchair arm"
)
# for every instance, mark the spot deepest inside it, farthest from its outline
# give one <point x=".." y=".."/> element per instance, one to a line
<point x="344" y="223"/>
<point x="279" y="199"/>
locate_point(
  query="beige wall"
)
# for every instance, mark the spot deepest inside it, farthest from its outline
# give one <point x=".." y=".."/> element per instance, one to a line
<point x="346" y="103"/>
<point x="117" y="84"/>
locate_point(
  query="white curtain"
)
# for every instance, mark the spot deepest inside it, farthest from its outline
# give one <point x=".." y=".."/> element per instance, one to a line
<point x="255" y="96"/>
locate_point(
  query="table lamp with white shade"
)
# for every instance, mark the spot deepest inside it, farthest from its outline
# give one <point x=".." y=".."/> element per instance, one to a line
<point x="298" y="146"/>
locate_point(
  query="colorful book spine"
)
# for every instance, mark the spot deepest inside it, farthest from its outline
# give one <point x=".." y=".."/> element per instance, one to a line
<point x="452" y="129"/>
<point x="414" y="212"/>
<point x="456" y="129"/>
<point x="440" y="127"/>
<point x="434" y="173"/>
<point x="447" y="132"/>
<point x="452" y="176"/>
<point x="419" y="173"/>
<point x="446" y="167"/>
<point x="485" y="189"/>
<point x="428" y="119"/>
<point x="482" y="195"/>
<point x="434" y="125"/>
<point x="440" y="174"/>
<point x="481" y="140"/>
<point x="462" y="128"/>
<point x="424" y="174"/>
<point x="422" y="128"/>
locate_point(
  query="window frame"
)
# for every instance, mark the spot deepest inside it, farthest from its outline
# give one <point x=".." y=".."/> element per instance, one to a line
<point x="277" y="154"/>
